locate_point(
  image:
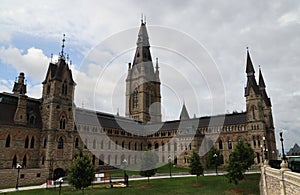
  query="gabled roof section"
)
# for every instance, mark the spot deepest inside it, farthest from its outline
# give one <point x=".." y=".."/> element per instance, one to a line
<point x="56" y="71"/>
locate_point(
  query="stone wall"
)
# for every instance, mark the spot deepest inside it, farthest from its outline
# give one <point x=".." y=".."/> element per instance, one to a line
<point x="27" y="176"/>
<point x="279" y="181"/>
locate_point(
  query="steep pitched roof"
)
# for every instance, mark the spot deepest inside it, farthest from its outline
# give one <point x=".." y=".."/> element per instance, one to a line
<point x="251" y="81"/>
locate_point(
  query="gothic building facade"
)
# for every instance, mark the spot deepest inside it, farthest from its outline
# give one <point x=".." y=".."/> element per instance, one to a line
<point x="43" y="134"/>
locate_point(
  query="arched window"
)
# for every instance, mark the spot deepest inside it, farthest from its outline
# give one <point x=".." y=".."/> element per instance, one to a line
<point x="48" y="89"/>
<point x="45" y="143"/>
<point x="7" y="143"/>
<point x="135" y="146"/>
<point x="220" y="145"/>
<point x="24" y="163"/>
<point x="64" y="89"/>
<point x="254" y="141"/>
<point x="14" y="163"/>
<point x="76" y="142"/>
<point x="94" y="144"/>
<point x="162" y="146"/>
<point x="141" y="146"/>
<point x="60" y="143"/>
<point x="26" y="142"/>
<point x="123" y="145"/>
<point x="129" y="146"/>
<point x="258" y="140"/>
<point x="135" y="99"/>
<point x="169" y="146"/>
<point x="32" y="142"/>
<point x="116" y="146"/>
<point x="149" y="146"/>
<point x="156" y="146"/>
<point x="253" y="112"/>
<point x="175" y="146"/>
<point x="43" y="160"/>
<point x="62" y="122"/>
<point x="229" y="144"/>
<point x="109" y="144"/>
<point x="32" y="120"/>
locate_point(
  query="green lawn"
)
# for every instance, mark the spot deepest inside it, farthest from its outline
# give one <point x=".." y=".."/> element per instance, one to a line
<point x="209" y="185"/>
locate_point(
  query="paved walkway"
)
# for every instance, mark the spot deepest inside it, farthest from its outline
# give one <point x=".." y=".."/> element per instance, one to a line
<point x="158" y="176"/>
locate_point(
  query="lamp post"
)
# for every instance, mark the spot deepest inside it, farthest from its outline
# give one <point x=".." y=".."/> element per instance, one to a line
<point x="124" y="163"/>
<point x="215" y="157"/>
<point x="265" y="148"/>
<point x="170" y="164"/>
<point x="281" y="139"/>
<point x="262" y="154"/>
<point x="60" y="180"/>
<point x="18" y="167"/>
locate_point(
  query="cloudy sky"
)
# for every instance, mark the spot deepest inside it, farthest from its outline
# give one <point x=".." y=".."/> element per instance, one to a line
<point x="201" y="46"/>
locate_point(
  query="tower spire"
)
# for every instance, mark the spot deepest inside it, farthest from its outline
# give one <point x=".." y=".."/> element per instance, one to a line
<point x="261" y="81"/>
<point x="249" y="66"/>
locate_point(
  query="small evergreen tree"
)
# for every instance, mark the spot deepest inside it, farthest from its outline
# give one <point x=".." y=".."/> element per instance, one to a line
<point x="148" y="166"/>
<point x="195" y="165"/>
<point x="239" y="161"/>
<point x="213" y="158"/>
<point x="82" y="172"/>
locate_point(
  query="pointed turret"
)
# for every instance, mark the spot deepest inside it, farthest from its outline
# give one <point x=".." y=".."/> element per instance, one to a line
<point x="251" y="81"/>
<point x="157" y="79"/>
<point x="262" y="88"/>
<point x="20" y="86"/>
<point x="184" y="115"/>
<point x="261" y="81"/>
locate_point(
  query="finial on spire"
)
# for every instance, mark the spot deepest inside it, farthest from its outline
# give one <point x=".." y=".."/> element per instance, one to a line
<point x="63" y="46"/>
<point x="247" y="48"/>
<point x="156" y="67"/>
<point x="142" y="18"/>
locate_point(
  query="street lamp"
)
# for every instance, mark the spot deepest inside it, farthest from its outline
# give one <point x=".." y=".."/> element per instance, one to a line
<point x="60" y="180"/>
<point x="281" y="139"/>
<point x="215" y="157"/>
<point x="124" y="163"/>
<point x="170" y="164"/>
<point x="262" y="154"/>
<point x="265" y="148"/>
<point x="18" y="167"/>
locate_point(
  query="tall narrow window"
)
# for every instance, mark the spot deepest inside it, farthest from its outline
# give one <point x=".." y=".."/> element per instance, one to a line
<point x="94" y="144"/>
<point x="135" y="99"/>
<point x="258" y="140"/>
<point x="229" y="144"/>
<point x="7" y="143"/>
<point x="62" y="122"/>
<point x="64" y="88"/>
<point x="220" y="145"/>
<point x="109" y="144"/>
<point x="162" y="146"/>
<point x="45" y="142"/>
<point x="156" y="146"/>
<point x="14" y="163"/>
<point x="175" y="146"/>
<point x="32" y="120"/>
<point x="169" y="146"/>
<point x="24" y="163"/>
<point x="43" y="160"/>
<point x="60" y="143"/>
<point x="254" y="141"/>
<point x="32" y="142"/>
<point x="102" y="144"/>
<point x="253" y="113"/>
<point x="26" y="142"/>
<point x="123" y="145"/>
<point x="76" y="142"/>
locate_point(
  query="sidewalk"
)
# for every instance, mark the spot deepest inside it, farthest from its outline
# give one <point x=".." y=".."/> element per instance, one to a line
<point x="135" y="178"/>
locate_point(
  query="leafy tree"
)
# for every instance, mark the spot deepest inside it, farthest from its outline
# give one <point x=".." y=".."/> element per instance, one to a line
<point x="148" y="166"/>
<point x="82" y="171"/>
<point x="239" y="161"/>
<point x="195" y="165"/>
<point x="213" y="158"/>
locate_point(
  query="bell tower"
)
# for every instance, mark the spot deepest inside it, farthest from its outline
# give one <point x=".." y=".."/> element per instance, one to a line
<point x="57" y="111"/>
<point x="143" y="99"/>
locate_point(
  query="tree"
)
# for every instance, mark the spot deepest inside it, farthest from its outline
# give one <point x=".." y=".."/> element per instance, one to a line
<point x="82" y="172"/>
<point x="239" y="161"/>
<point x="195" y="165"/>
<point x="148" y="166"/>
<point x="214" y="158"/>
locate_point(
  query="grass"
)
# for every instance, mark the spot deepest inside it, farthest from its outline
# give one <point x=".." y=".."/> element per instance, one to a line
<point x="208" y="185"/>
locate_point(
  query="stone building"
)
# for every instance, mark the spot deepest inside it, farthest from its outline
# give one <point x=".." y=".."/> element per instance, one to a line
<point x="43" y="134"/>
